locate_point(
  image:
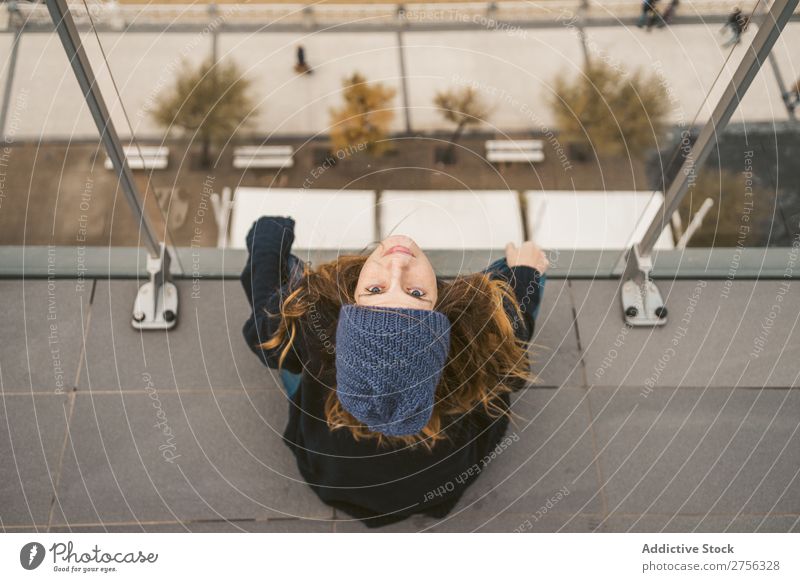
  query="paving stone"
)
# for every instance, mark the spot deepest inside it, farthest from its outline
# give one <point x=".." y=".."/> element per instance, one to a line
<point x="758" y="467"/>
<point x="549" y="468"/>
<point x="292" y="103"/>
<point x="324" y="219"/>
<point x="715" y="451"/>
<point x="143" y="65"/>
<point x="232" y="464"/>
<point x="25" y="529"/>
<point x="555" y="352"/>
<point x="552" y="452"/>
<point x="512" y="522"/>
<point x="221" y="526"/>
<point x="32" y="430"/>
<point x="498" y="64"/>
<point x="444" y="219"/>
<point x="719" y="333"/>
<point x="41" y="334"/>
<point x="703" y="524"/>
<point x="472" y="521"/>
<point x="42" y="72"/>
<point x="206" y="350"/>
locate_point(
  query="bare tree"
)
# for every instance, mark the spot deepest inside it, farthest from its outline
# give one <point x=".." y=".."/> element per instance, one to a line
<point x="211" y="101"/>
<point x="462" y="107"/>
<point x="363" y="120"/>
<point x="611" y="111"/>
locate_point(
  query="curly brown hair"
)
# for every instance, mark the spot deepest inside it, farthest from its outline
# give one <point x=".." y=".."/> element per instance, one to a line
<point x="486" y="359"/>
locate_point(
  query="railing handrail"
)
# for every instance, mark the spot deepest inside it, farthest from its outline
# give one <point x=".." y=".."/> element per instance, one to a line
<point x="124" y="262"/>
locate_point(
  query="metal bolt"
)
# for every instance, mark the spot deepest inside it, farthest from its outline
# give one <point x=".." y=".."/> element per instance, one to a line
<point x="138" y="316"/>
<point x="631" y="311"/>
<point x="169" y="315"/>
<point x="661" y="312"/>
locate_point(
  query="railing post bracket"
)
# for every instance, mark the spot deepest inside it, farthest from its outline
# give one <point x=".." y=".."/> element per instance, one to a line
<point x="156" y="305"/>
<point x="642" y="304"/>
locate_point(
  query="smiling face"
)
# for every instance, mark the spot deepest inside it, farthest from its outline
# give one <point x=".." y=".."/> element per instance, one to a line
<point x="397" y="274"/>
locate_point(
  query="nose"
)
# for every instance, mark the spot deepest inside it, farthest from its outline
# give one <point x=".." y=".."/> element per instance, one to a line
<point x="397" y="267"/>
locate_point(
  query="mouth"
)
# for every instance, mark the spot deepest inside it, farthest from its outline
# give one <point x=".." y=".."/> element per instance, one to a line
<point x="399" y="249"/>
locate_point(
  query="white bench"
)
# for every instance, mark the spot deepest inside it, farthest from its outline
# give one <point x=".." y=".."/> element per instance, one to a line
<point x="507" y="150"/>
<point x="144" y="158"/>
<point x="263" y="157"/>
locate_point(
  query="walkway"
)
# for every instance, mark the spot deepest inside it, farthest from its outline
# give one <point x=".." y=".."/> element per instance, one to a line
<point x="690" y="427"/>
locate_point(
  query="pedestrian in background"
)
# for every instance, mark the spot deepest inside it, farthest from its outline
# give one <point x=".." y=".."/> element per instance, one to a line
<point x="301" y="66"/>
<point x="648" y="14"/>
<point x="792" y="97"/>
<point x="668" y="13"/>
<point x="737" y="23"/>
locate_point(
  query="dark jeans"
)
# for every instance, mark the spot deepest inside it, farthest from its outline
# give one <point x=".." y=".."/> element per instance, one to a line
<point x="291" y="382"/>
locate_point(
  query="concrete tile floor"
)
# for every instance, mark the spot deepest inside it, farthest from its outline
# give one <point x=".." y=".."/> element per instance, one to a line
<point x="204" y="351"/>
<point x="700" y="452"/>
<point x="32" y="429"/>
<point x="740" y="335"/>
<point x="42" y="325"/>
<point x="222" y="459"/>
<point x="555" y="351"/>
<point x="631" y="458"/>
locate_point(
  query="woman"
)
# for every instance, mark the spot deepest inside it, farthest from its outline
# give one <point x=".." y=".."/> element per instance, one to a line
<point x="398" y="380"/>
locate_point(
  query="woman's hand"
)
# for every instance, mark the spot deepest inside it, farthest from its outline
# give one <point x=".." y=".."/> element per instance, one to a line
<point x="527" y="254"/>
<point x="273" y="232"/>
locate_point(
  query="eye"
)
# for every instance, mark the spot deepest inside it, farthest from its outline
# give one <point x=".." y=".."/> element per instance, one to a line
<point x="416" y="293"/>
<point x="373" y="289"/>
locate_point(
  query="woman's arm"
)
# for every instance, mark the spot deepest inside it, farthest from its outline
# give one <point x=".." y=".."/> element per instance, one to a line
<point x="269" y="243"/>
<point x="527" y="284"/>
<point x="527" y="263"/>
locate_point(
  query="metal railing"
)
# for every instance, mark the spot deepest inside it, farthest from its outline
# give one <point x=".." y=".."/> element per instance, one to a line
<point x="156" y="304"/>
<point x="642" y="303"/>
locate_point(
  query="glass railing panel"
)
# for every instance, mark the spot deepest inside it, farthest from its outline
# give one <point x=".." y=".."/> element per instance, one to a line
<point x="528" y="164"/>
